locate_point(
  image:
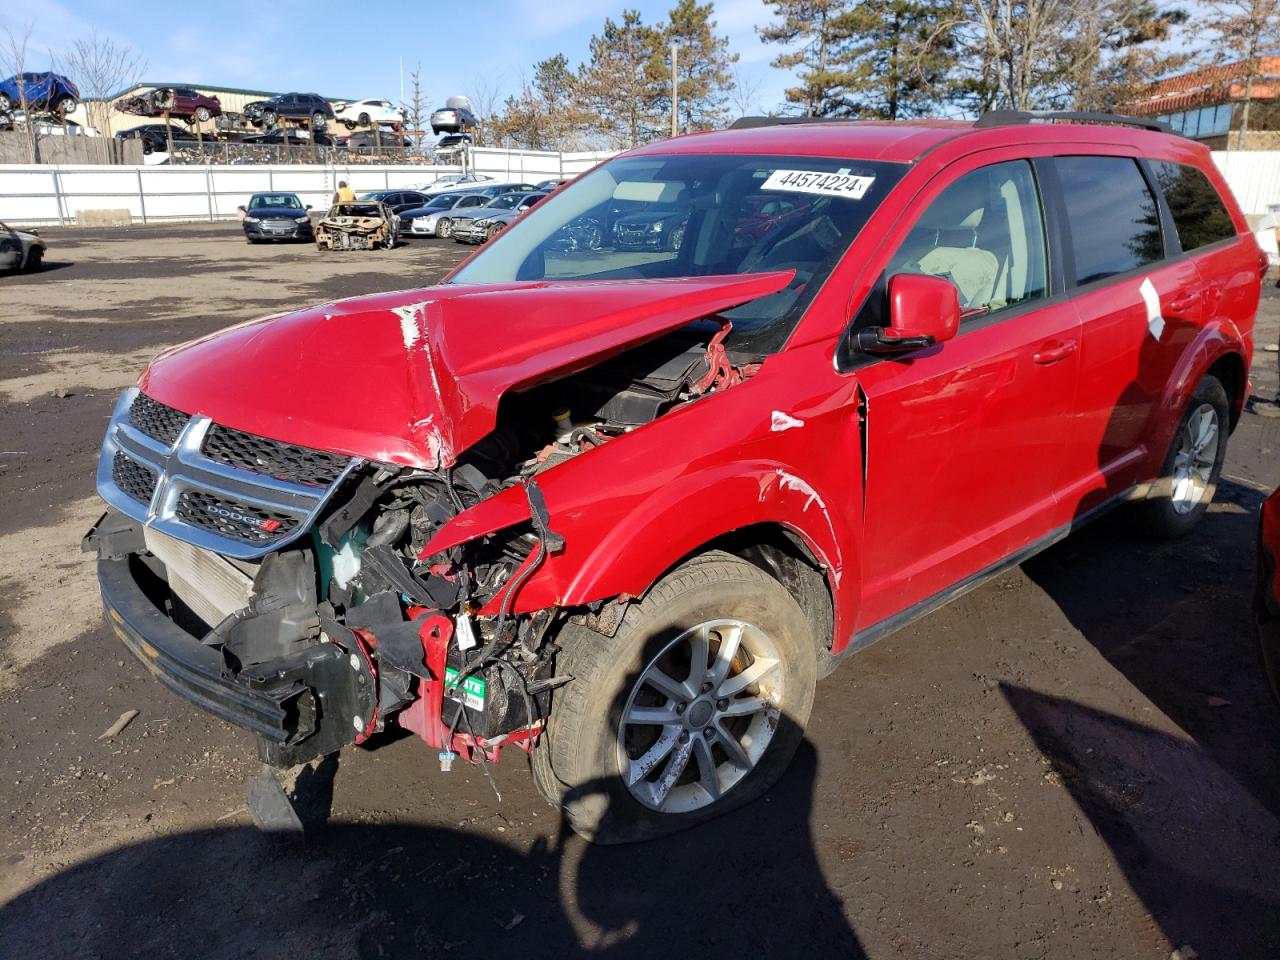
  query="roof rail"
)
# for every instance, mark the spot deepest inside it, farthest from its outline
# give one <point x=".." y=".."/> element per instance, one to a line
<point x="749" y="123"/>
<point x="1002" y="118"/>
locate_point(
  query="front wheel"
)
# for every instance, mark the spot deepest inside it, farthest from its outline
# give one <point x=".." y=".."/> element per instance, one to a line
<point x="444" y="228"/>
<point x="694" y="708"/>
<point x="268" y="119"/>
<point x="1189" y="477"/>
<point x="6" y="105"/>
<point x="35" y="260"/>
<point x="203" y="114"/>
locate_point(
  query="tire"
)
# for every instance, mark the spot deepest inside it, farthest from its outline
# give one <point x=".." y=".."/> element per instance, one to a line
<point x="492" y="232"/>
<point x="269" y="119"/>
<point x="444" y="228"/>
<point x="1189" y="476"/>
<point x="66" y="106"/>
<point x="674" y="239"/>
<point x="6" y="105"/>
<point x="364" y="119"/>
<point x="35" y="260"/>
<point x="317" y="121"/>
<point x="349" y="124"/>
<point x="579" y="762"/>
<point x="203" y="114"/>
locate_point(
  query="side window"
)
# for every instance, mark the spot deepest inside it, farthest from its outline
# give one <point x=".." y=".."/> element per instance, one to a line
<point x="1198" y="212"/>
<point x="1113" y="219"/>
<point x="985" y="234"/>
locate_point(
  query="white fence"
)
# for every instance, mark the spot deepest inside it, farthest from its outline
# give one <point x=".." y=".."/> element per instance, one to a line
<point x="54" y="194"/>
<point x="1254" y="177"/>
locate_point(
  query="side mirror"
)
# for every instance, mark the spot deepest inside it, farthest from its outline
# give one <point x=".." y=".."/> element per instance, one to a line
<point x="307" y="207"/>
<point x="241" y="209"/>
<point x="923" y="310"/>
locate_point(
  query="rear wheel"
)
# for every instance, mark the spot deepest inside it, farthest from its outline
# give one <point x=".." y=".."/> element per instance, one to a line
<point x="694" y="708"/>
<point x="1189" y="477"/>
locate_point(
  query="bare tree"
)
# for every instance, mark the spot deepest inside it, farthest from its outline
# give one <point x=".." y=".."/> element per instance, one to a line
<point x="415" y="108"/>
<point x="744" y="94"/>
<point x="485" y="97"/>
<point x="100" y="69"/>
<point x="13" y="60"/>
<point x="1245" y="30"/>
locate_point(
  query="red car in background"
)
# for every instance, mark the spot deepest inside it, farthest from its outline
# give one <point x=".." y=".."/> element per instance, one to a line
<point x="621" y="503"/>
<point x="1267" y="603"/>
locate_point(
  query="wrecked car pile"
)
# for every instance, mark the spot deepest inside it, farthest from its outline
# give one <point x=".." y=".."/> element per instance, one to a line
<point x="358" y="225"/>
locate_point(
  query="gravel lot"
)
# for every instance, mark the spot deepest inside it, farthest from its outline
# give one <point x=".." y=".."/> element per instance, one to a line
<point x="1078" y="760"/>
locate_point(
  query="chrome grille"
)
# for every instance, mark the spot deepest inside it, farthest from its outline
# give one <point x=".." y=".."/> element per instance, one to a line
<point x="284" y="461"/>
<point x="254" y="496"/>
<point x="133" y="478"/>
<point x="156" y="420"/>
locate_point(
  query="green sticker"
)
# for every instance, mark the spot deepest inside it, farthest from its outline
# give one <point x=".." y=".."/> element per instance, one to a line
<point x="473" y="689"/>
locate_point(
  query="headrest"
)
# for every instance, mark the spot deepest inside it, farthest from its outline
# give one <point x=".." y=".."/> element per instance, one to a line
<point x="960" y="207"/>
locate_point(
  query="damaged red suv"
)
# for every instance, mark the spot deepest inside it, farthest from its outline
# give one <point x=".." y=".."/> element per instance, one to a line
<point x="622" y="508"/>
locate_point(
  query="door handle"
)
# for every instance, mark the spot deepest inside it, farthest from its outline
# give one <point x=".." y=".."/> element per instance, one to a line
<point x="1181" y="304"/>
<point x="1051" y="351"/>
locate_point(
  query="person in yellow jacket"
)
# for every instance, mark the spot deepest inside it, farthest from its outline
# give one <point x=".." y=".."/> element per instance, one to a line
<point x="344" y="194"/>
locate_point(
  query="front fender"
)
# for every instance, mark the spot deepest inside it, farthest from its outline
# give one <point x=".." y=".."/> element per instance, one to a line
<point x="781" y="448"/>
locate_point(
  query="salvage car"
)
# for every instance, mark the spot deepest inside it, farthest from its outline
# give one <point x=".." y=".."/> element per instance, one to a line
<point x="155" y="137"/>
<point x="358" y="225"/>
<point x="1267" y="597"/>
<point x="367" y="142"/>
<point x="365" y="113"/>
<point x="176" y="101"/>
<point x="483" y="223"/>
<point x="621" y="509"/>
<point x="454" y="117"/>
<point x="42" y="93"/>
<point x="435" y="218"/>
<point x="20" y="249"/>
<point x="289" y="106"/>
<point x="275" y="216"/>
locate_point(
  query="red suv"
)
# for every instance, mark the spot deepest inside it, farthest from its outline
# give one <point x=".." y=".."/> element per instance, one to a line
<point x="621" y="508"/>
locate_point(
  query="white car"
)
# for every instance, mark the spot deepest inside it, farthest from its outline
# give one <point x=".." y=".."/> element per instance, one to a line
<point x="20" y="250"/>
<point x="455" y="181"/>
<point x="363" y="113"/>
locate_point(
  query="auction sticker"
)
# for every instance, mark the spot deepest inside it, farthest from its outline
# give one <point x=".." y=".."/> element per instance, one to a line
<point x="839" y="184"/>
<point x="472" y="687"/>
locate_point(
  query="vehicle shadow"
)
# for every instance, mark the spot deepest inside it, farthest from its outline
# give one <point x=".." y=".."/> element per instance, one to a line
<point x="1197" y="848"/>
<point x="1175" y="618"/>
<point x="748" y="884"/>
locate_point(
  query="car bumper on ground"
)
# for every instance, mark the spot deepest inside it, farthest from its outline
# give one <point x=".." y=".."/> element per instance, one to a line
<point x="273" y="230"/>
<point x="298" y="706"/>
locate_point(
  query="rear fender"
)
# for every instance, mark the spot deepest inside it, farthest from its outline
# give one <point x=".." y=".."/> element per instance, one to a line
<point x="1219" y="339"/>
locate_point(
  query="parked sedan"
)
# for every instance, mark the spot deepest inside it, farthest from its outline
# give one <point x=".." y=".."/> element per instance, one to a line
<point x="365" y="113"/>
<point x="652" y="230"/>
<point x="452" y="120"/>
<point x="20" y="249"/>
<point x="435" y="219"/>
<point x="1267" y="603"/>
<point x="398" y="200"/>
<point x="276" y="216"/>
<point x="43" y="92"/>
<point x="482" y="223"/>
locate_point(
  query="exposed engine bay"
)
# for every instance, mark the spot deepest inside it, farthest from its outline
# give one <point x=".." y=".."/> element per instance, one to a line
<point x="356" y="623"/>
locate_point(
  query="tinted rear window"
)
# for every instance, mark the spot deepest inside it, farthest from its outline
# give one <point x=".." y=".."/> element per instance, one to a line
<point x="1198" y="211"/>
<point x="1114" y="224"/>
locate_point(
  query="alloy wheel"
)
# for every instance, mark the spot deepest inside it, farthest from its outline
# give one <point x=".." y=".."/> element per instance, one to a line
<point x="700" y="716"/>
<point x="1195" y="458"/>
<point x="444" y="228"/>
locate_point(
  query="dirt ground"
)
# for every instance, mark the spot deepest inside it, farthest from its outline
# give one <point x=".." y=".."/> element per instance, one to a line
<point x="1077" y="760"/>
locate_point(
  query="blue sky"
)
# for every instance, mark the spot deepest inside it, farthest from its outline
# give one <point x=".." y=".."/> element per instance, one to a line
<point x="282" y="45"/>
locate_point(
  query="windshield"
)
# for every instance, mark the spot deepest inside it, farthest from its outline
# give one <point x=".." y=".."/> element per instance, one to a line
<point x="278" y="200"/>
<point x="688" y="216"/>
<point x="505" y="202"/>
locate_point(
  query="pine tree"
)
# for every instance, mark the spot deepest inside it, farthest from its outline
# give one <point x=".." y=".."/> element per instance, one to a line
<point x="818" y="26"/>
<point x="623" y="83"/>
<point x="704" y="66"/>
<point x="897" y="54"/>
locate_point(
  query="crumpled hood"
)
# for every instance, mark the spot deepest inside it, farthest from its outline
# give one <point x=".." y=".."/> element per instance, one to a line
<point x="414" y="377"/>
